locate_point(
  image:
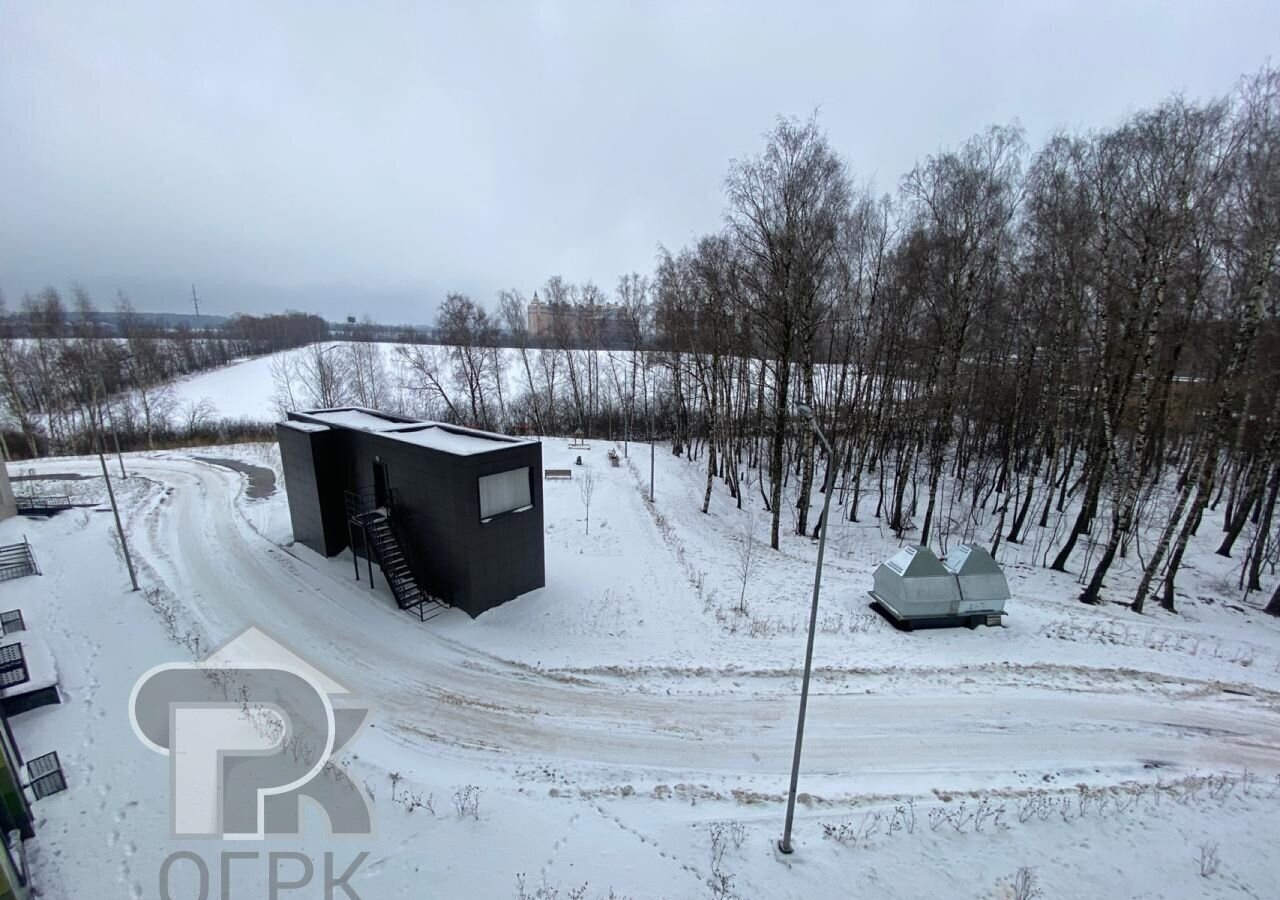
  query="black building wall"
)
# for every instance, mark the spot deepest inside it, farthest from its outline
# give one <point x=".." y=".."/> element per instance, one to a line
<point x="507" y="557"/>
<point x="473" y="565"/>
<point x="311" y="462"/>
<point x="470" y="564"/>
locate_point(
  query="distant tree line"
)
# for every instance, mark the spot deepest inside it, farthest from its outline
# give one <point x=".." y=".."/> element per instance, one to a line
<point x="110" y="322"/>
<point x="59" y="372"/>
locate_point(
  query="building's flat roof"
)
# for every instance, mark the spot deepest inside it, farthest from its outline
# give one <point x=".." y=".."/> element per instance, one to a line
<point x="436" y="435"/>
<point x="356" y="418"/>
<point x="304" y="426"/>
<point x="463" y="443"/>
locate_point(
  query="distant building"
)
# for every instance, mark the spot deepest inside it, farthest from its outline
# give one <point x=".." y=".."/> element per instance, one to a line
<point x="607" y="323"/>
<point x="539" y="318"/>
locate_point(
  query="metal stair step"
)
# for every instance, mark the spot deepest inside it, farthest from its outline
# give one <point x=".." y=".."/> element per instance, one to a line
<point x="395" y="568"/>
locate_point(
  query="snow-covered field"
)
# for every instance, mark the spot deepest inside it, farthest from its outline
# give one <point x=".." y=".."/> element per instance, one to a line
<point x="243" y="390"/>
<point x="630" y="731"/>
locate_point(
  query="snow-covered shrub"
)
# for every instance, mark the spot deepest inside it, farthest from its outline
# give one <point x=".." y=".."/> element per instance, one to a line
<point x="1208" y="859"/>
<point x="853" y="833"/>
<point x="547" y="891"/>
<point x="466" y="801"/>
<point x="1023" y="886"/>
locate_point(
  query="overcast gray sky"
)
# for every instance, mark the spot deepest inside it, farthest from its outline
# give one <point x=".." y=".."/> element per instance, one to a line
<point x="368" y="157"/>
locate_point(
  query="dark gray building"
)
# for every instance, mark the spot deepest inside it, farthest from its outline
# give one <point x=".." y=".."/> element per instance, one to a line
<point x="450" y="514"/>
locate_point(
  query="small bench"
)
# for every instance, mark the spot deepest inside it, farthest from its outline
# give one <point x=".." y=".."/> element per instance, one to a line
<point x="580" y="445"/>
<point x="557" y="474"/>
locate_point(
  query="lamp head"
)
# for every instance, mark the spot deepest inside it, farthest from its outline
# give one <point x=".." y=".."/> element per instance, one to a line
<point x="805" y="411"/>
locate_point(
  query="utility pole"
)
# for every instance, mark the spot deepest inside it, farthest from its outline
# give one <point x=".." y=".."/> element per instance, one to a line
<point x="115" y="433"/>
<point x="631" y="405"/>
<point x="111" y="494"/>
<point x="649" y="406"/>
<point x="651" y="454"/>
<point x="784" y="845"/>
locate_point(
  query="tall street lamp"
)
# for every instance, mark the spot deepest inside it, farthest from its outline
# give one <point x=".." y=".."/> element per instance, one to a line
<point x="111" y="417"/>
<point x="96" y="420"/>
<point x="784" y="845"/>
<point x="649" y="407"/>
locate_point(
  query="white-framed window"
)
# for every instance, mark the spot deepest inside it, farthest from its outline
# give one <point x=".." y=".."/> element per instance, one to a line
<point x="504" y="492"/>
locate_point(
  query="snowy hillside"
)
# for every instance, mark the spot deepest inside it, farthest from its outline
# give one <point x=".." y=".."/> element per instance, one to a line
<point x="244" y="389"/>
<point x="240" y="390"/>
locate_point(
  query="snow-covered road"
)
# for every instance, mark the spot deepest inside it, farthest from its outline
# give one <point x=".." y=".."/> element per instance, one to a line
<point x="193" y="534"/>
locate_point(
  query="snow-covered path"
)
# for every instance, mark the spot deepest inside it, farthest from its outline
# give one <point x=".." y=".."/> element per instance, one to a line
<point x="426" y="688"/>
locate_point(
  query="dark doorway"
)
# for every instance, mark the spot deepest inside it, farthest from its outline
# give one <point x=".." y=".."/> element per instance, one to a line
<point x="380" y="485"/>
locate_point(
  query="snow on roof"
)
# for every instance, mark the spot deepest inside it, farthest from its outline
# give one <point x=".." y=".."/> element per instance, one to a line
<point x="447" y="438"/>
<point x="356" y="418"/>
<point x="304" y="426"/>
<point x="916" y="562"/>
<point x="41" y="668"/>
<point x="970" y="560"/>
<point x="461" y="443"/>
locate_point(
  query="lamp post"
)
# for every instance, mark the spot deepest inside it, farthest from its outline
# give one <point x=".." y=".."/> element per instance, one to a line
<point x="106" y="396"/>
<point x="96" y="418"/>
<point x="651" y="500"/>
<point x="784" y="845"/>
<point x="115" y="433"/>
<point x="649" y="407"/>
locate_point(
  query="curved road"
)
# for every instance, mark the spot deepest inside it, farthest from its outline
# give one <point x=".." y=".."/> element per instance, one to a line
<point x="428" y="690"/>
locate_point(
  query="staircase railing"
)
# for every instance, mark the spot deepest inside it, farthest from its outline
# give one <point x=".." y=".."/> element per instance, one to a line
<point x="17" y="560"/>
<point x="381" y="543"/>
<point x="389" y="552"/>
<point x="363" y="501"/>
<point x="43" y="505"/>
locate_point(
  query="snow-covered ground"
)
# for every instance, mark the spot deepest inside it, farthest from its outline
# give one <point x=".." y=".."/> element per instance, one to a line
<point x="629" y="730"/>
<point x="243" y="389"/>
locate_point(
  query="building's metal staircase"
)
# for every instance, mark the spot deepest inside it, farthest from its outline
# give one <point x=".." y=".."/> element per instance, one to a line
<point x="45" y="505"/>
<point x="17" y="560"/>
<point x="383" y="546"/>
